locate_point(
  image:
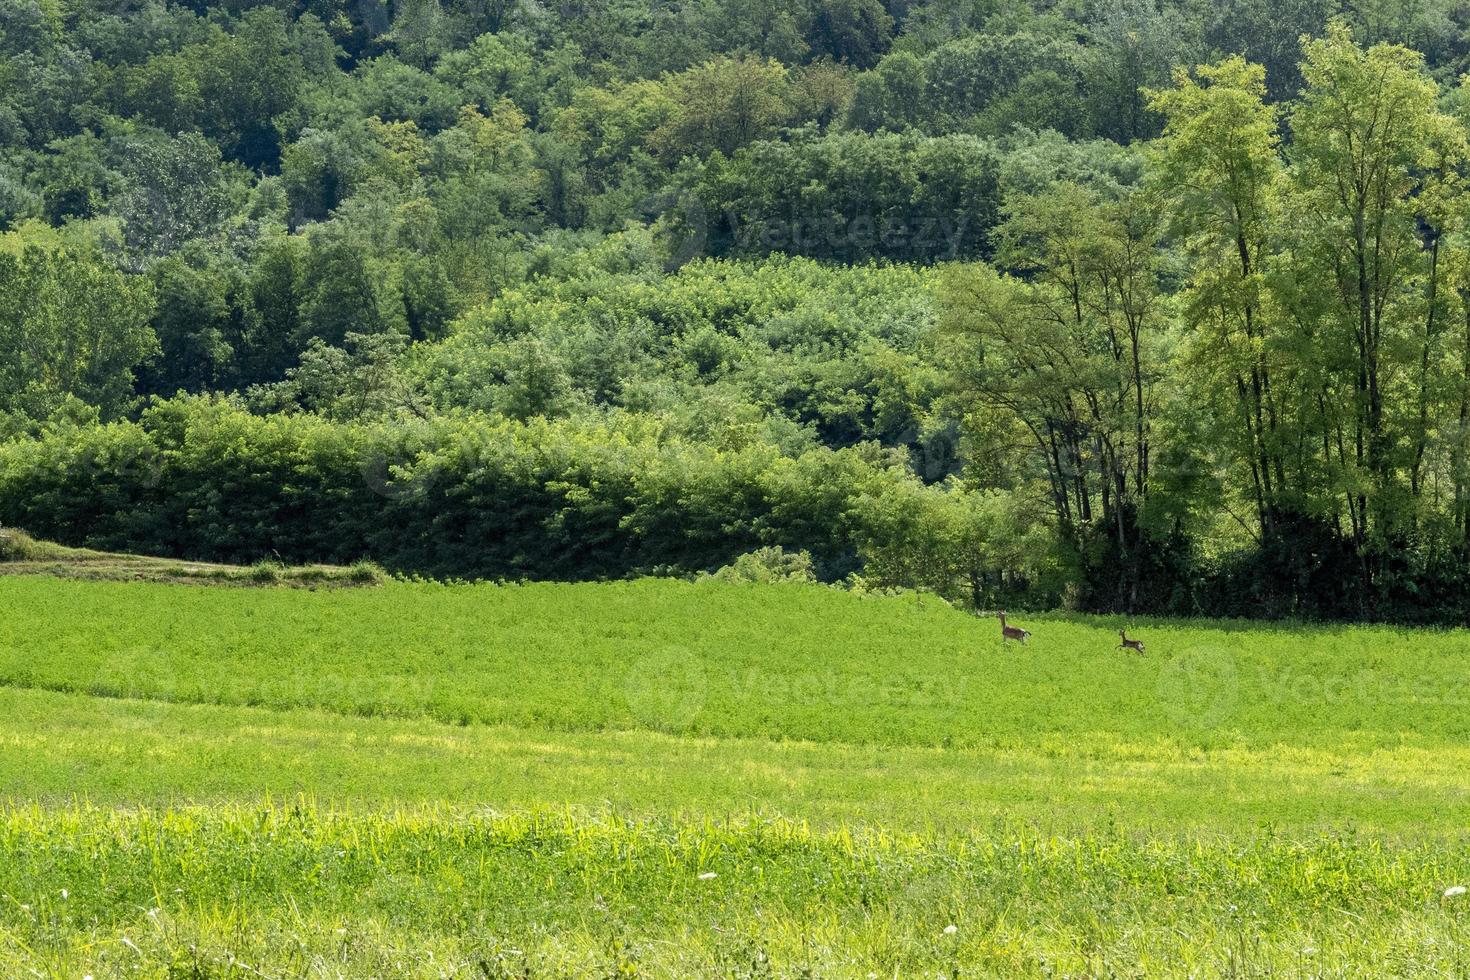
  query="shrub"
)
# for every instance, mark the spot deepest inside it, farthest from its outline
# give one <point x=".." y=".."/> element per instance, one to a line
<point x="267" y="571"/>
<point x="17" y="545"/>
<point x="768" y="565"/>
<point x="467" y="496"/>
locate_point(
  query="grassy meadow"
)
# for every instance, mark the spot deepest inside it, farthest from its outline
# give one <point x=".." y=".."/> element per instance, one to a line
<point x="667" y="778"/>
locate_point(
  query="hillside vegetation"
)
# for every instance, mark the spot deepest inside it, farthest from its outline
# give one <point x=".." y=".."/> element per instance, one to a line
<point x="1154" y="306"/>
<point x="525" y="489"/>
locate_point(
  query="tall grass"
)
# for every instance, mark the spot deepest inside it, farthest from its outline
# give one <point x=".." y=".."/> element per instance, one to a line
<point x="293" y="889"/>
<point x="681" y="779"/>
<point x="768" y="661"/>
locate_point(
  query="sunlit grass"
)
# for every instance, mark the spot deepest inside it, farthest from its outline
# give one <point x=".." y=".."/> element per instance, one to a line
<point x="301" y="890"/>
<point x="60" y="747"/>
<point x="670" y="778"/>
<point x="782" y="662"/>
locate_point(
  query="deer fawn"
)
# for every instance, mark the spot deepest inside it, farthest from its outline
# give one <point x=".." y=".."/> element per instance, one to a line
<point x="1011" y="632"/>
<point x="1128" y="644"/>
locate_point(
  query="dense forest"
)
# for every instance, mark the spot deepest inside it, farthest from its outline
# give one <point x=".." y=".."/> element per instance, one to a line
<point x="1145" y="305"/>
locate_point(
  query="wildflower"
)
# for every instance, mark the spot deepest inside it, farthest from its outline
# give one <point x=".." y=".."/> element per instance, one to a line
<point x="1454" y="890"/>
<point x="951" y="929"/>
<point x="708" y="875"/>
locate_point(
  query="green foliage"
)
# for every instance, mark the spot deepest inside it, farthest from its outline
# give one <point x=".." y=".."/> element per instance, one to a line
<point x="24" y="555"/>
<point x="19" y="546"/>
<point x="835" y="350"/>
<point x="390" y="892"/>
<point x="829" y="756"/>
<point x="768" y="565"/>
<point x="773" y="660"/>
<point x="468" y="496"/>
<point x="70" y="326"/>
<point x="850" y="197"/>
<point x="357" y="383"/>
<point x="1225" y="360"/>
<point x="174" y="191"/>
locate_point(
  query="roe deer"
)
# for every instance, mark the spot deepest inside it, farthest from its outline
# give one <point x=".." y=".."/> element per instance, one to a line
<point x="1011" y="632"/>
<point x="1128" y="644"/>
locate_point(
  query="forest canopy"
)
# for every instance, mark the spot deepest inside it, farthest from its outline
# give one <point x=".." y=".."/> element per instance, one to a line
<point x="1153" y="305"/>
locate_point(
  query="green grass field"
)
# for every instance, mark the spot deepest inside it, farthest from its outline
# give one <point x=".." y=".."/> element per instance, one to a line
<point x="669" y="778"/>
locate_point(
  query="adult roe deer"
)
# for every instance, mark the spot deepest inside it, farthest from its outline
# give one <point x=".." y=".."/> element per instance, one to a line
<point x="1011" y="632"/>
<point x="1128" y="644"/>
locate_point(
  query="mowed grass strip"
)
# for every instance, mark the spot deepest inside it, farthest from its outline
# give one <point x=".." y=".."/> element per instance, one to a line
<point x="299" y="890"/>
<point x="778" y="662"/>
<point x="20" y="554"/>
<point x="61" y="748"/>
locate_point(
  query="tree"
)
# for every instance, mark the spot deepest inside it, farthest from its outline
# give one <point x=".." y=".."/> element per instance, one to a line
<point x="75" y="178"/>
<point x="1372" y="159"/>
<point x="856" y="32"/>
<point x="278" y="292"/>
<point x="1219" y="168"/>
<point x="359" y="382"/>
<point x="1267" y="33"/>
<point x="252" y="80"/>
<point x="196" y="321"/>
<point x="1067" y="355"/>
<point x="892" y="96"/>
<point x="321" y="169"/>
<point x="723" y="105"/>
<point x="1133" y="45"/>
<point x="344" y="295"/>
<point x="69" y="326"/>
<point x="175" y="190"/>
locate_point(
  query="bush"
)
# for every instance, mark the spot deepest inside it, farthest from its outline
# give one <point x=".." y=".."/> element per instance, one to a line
<point x="266" y="572"/>
<point x="768" y="565"/>
<point x="467" y="497"/>
<point x="17" y="545"/>
<point x="364" y="572"/>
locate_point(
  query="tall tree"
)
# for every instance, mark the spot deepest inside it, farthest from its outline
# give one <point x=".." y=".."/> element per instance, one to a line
<point x="1068" y="354"/>
<point x="70" y="325"/>
<point x="1371" y="157"/>
<point x="1219" y="169"/>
